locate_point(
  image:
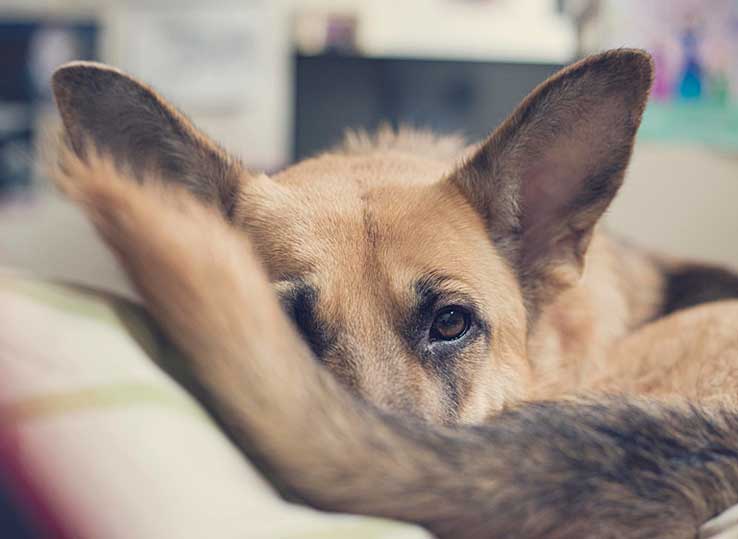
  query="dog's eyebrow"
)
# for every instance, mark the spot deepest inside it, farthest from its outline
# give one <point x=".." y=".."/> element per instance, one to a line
<point x="430" y="287"/>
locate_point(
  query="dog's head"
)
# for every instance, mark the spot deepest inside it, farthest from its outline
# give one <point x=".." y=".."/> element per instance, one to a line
<point x="413" y="278"/>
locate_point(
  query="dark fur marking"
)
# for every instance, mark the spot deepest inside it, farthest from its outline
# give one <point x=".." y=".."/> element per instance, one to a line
<point x="696" y="284"/>
<point x="440" y="357"/>
<point x="299" y="304"/>
<point x="573" y="469"/>
<point x="371" y="228"/>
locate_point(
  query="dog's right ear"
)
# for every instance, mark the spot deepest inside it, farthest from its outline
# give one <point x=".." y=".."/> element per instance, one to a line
<point x="119" y="116"/>
<point x="543" y="179"/>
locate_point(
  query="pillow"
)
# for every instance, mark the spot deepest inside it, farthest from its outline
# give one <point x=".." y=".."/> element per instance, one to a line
<point x="97" y="441"/>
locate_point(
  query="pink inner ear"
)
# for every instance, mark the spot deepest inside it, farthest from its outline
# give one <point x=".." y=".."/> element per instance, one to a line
<point x="550" y="185"/>
<point x="555" y="176"/>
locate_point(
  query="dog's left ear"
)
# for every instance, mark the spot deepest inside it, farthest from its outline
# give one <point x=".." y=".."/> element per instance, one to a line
<point x="121" y="117"/>
<point x="546" y="175"/>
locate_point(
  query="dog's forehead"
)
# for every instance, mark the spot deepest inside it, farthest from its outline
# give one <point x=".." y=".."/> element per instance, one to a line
<point x="384" y="221"/>
<point x="342" y="206"/>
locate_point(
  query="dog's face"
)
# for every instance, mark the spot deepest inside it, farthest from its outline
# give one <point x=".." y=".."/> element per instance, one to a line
<point x="413" y="278"/>
<point x="392" y="278"/>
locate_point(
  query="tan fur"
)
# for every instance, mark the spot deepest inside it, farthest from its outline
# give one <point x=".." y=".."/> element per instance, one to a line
<point x="619" y="291"/>
<point x="563" y="309"/>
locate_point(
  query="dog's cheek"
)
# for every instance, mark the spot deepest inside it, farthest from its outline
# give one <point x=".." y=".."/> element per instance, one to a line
<point x="475" y="382"/>
<point x="495" y="374"/>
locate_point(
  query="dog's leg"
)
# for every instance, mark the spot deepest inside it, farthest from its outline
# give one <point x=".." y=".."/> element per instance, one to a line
<point x="554" y="470"/>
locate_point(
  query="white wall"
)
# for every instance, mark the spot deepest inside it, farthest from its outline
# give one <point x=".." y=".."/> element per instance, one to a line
<point x="681" y="199"/>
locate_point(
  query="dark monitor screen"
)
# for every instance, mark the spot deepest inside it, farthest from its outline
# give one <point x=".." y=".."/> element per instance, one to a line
<point x="336" y="92"/>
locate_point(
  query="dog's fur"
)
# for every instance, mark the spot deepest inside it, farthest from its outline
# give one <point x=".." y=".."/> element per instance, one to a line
<point x="363" y="246"/>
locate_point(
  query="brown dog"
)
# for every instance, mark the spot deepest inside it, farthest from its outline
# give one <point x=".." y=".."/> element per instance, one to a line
<point x="451" y="284"/>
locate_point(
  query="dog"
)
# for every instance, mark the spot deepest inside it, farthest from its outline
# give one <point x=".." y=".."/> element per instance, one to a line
<point x="412" y="328"/>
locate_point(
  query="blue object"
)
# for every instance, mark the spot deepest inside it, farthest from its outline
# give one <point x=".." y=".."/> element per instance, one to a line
<point x="690" y="85"/>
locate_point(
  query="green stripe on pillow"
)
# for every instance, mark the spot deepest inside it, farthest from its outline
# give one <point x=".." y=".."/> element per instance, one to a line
<point x="119" y="395"/>
<point x="67" y="298"/>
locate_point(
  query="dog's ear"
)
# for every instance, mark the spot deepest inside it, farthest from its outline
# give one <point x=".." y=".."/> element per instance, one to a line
<point x="124" y="118"/>
<point x="546" y="175"/>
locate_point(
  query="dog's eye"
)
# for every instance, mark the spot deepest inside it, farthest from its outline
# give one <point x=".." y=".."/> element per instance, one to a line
<point x="450" y="324"/>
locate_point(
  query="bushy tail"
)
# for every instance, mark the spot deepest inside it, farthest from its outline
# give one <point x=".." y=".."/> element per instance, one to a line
<point x="613" y="468"/>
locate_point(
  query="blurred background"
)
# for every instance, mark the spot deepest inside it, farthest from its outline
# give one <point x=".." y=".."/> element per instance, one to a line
<point x="278" y="80"/>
